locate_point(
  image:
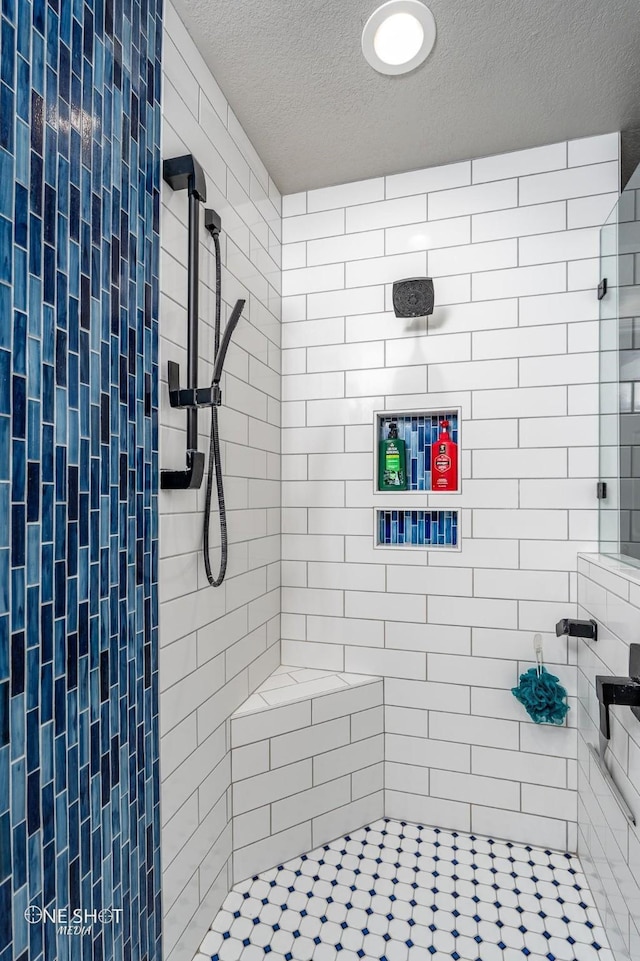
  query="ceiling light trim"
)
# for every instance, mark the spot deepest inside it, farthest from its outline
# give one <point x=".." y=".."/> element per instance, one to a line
<point x="414" y="8"/>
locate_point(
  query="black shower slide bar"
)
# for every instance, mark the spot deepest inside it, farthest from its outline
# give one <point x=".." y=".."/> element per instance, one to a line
<point x="185" y="173"/>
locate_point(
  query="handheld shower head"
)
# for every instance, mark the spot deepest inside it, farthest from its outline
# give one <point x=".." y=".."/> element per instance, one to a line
<point x="226" y="339"/>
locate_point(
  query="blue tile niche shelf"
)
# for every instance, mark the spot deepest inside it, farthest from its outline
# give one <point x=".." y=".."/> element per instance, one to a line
<point x="410" y="519"/>
<point x="407" y="528"/>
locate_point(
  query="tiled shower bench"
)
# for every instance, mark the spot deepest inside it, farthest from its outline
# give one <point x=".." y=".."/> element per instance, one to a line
<point x="306" y="764"/>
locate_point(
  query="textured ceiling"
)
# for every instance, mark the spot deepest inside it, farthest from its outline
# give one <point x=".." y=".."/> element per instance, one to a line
<point x="503" y="75"/>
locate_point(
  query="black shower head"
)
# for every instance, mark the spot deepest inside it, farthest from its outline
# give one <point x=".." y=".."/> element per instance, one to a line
<point x="413" y="297"/>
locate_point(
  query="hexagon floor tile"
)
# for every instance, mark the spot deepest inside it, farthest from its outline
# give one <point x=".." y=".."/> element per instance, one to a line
<point x="394" y="891"/>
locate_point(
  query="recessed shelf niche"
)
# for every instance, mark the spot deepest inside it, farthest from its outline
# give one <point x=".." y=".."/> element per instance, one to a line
<point x="418" y="528"/>
<point x="411" y="518"/>
<point x="419" y="430"/>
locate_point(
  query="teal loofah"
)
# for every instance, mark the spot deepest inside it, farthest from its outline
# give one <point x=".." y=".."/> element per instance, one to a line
<point x="543" y="696"/>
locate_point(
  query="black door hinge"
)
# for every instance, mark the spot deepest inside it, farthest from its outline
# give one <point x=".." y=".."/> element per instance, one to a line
<point x="602" y="490"/>
<point x="602" y="288"/>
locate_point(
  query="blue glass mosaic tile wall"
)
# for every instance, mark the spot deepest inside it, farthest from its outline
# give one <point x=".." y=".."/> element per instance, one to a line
<point x="426" y="528"/>
<point x="419" y="432"/>
<point x="79" y="250"/>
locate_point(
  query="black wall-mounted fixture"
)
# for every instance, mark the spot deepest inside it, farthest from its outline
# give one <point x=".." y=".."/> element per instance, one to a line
<point x="185" y="173"/>
<point x="575" y="628"/>
<point x="619" y="690"/>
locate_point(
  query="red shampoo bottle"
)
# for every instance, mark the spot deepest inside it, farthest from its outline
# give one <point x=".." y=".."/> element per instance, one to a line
<point x="444" y="461"/>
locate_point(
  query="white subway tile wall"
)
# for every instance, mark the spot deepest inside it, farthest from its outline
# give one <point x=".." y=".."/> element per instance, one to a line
<point x="512" y="245"/>
<point x="217" y="644"/>
<point x="608" y="845"/>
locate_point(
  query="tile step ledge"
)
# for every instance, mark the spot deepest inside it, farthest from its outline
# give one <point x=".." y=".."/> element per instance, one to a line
<point x="287" y="684"/>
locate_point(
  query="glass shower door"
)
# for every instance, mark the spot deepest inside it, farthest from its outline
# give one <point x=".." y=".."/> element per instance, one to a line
<point x="620" y="377"/>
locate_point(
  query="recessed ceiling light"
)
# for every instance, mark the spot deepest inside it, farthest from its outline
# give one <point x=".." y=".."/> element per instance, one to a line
<point x="398" y="36"/>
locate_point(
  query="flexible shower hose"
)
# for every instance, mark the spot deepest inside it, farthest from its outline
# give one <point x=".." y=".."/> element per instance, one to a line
<point x="215" y="462"/>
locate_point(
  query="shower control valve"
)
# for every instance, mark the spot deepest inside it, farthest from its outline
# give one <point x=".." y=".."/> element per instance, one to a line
<point x="186" y="398"/>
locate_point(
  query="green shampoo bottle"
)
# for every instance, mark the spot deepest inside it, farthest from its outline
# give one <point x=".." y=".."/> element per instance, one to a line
<point x="392" y="462"/>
